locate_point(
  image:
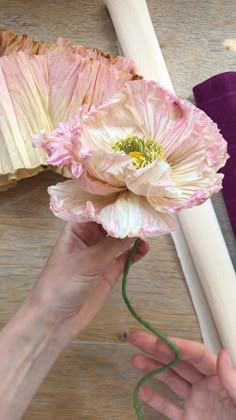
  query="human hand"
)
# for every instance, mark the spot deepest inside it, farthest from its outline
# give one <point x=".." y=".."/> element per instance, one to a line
<point x="81" y="272"/>
<point x="206" y="383"/>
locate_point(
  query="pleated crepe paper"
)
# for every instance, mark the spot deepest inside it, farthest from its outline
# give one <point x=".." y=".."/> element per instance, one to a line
<point x="42" y="97"/>
<point x="199" y="242"/>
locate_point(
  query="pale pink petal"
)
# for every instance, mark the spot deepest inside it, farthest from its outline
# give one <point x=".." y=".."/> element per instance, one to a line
<point x="123" y="214"/>
<point x="104" y="173"/>
<point x="142" y="108"/>
<point x="131" y="215"/>
<point x="94" y="186"/>
<point x="174" y="199"/>
<point x="71" y="203"/>
<point x="195" y="137"/>
<point x="149" y="179"/>
<point x="64" y="146"/>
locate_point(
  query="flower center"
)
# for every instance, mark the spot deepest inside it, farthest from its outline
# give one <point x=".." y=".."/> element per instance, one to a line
<point x="142" y="150"/>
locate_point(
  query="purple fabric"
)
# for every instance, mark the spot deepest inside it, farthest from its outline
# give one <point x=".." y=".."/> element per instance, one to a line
<point x="217" y="97"/>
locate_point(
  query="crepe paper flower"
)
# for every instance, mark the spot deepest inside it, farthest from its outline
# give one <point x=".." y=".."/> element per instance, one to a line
<point x="137" y="160"/>
<point x="40" y="91"/>
<point x="11" y="42"/>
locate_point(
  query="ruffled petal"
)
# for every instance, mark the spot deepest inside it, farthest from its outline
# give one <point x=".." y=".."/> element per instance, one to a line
<point x="71" y="203"/>
<point x="142" y="108"/>
<point x="149" y="180"/>
<point x="173" y="199"/>
<point x="123" y="214"/>
<point x="64" y="146"/>
<point x="104" y="173"/>
<point x="195" y="137"/>
<point x="131" y="215"/>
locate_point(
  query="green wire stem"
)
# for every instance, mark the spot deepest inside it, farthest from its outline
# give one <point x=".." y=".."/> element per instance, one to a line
<point x="150" y="328"/>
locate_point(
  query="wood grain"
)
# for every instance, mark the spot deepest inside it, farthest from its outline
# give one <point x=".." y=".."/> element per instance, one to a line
<point x="101" y="378"/>
<point x="93" y="378"/>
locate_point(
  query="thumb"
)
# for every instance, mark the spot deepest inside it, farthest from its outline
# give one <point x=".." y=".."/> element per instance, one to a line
<point x="226" y="373"/>
<point x="110" y="247"/>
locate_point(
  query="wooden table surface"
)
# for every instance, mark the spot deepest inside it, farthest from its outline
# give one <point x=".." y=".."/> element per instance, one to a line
<point x="93" y="378"/>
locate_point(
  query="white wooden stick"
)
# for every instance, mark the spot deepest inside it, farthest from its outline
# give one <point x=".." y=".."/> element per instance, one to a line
<point x="200" y="233"/>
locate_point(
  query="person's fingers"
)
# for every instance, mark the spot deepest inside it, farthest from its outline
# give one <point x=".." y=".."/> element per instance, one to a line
<point x="196" y="359"/>
<point x="160" y="403"/>
<point x="141" y="251"/>
<point x="89" y="233"/>
<point x="116" y="267"/>
<point x="148" y="344"/>
<point x="98" y="296"/>
<point x="227" y="373"/>
<point x="179" y="385"/>
<point x="110" y="248"/>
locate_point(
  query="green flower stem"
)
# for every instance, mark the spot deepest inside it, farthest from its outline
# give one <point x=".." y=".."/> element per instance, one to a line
<point x="150" y="328"/>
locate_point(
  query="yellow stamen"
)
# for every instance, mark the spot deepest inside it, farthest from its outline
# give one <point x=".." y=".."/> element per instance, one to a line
<point x="142" y="150"/>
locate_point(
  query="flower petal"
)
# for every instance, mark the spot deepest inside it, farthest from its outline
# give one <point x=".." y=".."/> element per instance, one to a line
<point x="147" y="180"/>
<point x="142" y="108"/>
<point x="123" y="214"/>
<point x="131" y="215"/>
<point x="104" y="173"/>
<point x="195" y="137"/>
<point x="174" y="199"/>
<point x="71" y="203"/>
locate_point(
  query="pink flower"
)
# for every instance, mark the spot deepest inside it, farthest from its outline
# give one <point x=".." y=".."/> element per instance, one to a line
<point x="136" y="160"/>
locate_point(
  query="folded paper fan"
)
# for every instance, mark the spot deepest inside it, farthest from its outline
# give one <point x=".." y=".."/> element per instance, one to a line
<point x="38" y="92"/>
<point x="120" y="63"/>
<point x="11" y="42"/>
